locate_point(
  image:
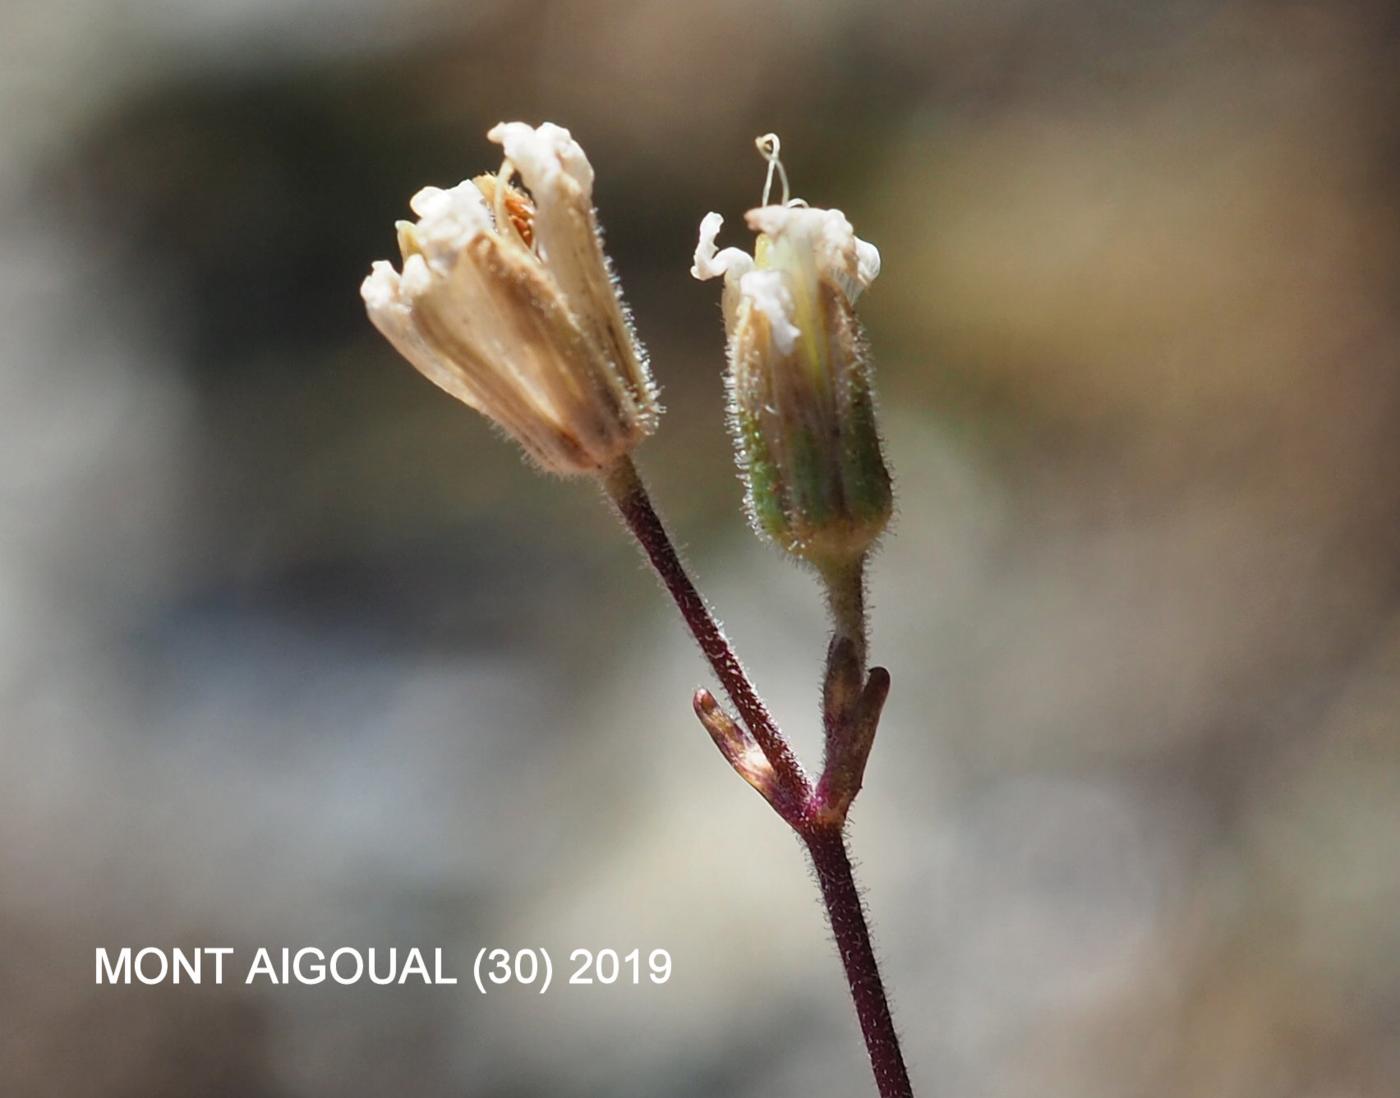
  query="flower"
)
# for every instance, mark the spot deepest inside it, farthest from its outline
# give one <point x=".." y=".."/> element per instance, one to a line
<point x="507" y="302"/>
<point x="801" y="404"/>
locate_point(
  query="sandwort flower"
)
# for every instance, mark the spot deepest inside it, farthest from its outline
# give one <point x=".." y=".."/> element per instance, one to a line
<point x="801" y="406"/>
<point x="507" y="301"/>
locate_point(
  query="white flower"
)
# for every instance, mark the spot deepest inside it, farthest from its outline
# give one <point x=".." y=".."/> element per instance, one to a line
<point x="799" y="246"/>
<point x="801" y="402"/>
<point x="508" y="303"/>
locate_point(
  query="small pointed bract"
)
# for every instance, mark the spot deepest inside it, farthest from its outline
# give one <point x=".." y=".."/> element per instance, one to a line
<point x="737" y="746"/>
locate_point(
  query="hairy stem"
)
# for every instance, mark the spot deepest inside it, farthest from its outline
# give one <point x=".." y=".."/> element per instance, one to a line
<point x="629" y="496"/>
<point x="844" y="584"/>
<point x="805" y="810"/>
<point x="845" y="599"/>
<point x="851" y="705"/>
<point x="843" y="908"/>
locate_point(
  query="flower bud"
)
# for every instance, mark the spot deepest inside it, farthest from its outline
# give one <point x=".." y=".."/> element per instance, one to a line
<point x="507" y="302"/>
<point x="801" y="403"/>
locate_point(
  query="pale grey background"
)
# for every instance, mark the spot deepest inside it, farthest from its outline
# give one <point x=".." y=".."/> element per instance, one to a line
<point x="293" y="651"/>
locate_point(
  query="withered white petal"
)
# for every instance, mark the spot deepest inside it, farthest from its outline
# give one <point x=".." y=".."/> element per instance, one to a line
<point x="534" y="337"/>
<point x="867" y="263"/>
<point x="709" y="263"/>
<point x="767" y="293"/>
<point x="569" y="245"/>
<point x="538" y="153"/>
<point x="448" y="220"/>
<point x="799" y="380"/>
<point x="827" y="237"/>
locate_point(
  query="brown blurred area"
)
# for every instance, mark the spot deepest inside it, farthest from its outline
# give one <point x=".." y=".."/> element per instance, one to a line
<point x="293" y="651"/>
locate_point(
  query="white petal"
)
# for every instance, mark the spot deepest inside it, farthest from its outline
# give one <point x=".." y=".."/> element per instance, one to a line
<point x="867" y="262"/>
<point x="794" y="221"/>
<point x="449" y="220"/>
<point x="567" y="244"/>
<point x="541" y="153"/>
<point x="836" y="250"/>
<point x="380" y="289"/>
<point x="731" y="262"/>
<point x="769" y="294"/>
<point x="428" y="202"/>
<point x="416" y="279"/>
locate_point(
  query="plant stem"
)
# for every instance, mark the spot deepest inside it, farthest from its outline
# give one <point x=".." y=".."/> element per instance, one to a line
<point x="844" y="585"/>
<point x="629" y="496"/>
<point x="845" y="678"/>
<point x="843" y="908"/>
<point x="799" y="805"/>
<point x="845" y="599"/>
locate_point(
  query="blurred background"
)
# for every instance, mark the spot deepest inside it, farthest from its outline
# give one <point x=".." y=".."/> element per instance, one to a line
<point x="293" y="651"/>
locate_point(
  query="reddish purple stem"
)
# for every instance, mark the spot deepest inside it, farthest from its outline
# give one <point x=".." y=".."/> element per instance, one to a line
<point x="629" y="496"/>
<point x="847" y="918"/>
<point x="796" y="802"/>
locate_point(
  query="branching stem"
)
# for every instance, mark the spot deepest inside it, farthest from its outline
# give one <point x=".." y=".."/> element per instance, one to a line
<point x="851" y="709"/>
<point x="629" y="496"/>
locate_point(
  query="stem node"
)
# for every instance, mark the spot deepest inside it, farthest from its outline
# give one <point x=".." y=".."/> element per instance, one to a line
<point x="756" y="749"/>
